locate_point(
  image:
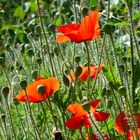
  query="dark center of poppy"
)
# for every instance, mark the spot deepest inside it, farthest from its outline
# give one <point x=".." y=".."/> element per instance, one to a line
<point x="41" y="89"/>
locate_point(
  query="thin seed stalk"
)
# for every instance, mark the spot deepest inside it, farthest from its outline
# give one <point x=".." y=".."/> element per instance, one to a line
<point x="10" y="117"/>
<point x="31" y="117"/>
<point x="48" y="47"/>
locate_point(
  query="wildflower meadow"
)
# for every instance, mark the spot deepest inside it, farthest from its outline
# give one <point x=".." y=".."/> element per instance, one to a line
<point x="69" y="70"/>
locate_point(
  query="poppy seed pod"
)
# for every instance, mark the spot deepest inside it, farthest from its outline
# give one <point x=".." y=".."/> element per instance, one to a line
<point x="5" y="91"/>
<point x="23" y="84"/>
<point x="41" y="89"/>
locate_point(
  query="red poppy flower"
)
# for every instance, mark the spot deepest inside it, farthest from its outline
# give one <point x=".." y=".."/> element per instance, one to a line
<point x="96" y="136"/>
<point x="51" y="84"/>
<point x="123" y="122"/>
<point x="81" y="116"/>
<point x="62" y="38"/>
<point x="84" y="75"/>
<point x="88" y="29"/>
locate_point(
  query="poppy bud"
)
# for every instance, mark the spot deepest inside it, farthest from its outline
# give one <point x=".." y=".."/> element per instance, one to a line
<point x="129" y="71"/>
<point x="110" y="103"/>
<point x="108" y="29"/>
<point x="122" y="67"/>
<point x="5" y="91"/>
<point x="56" y="51"/>
<point x="124" y="59"/>
<point x="104" y="91"/>
<point x="20" y="68"/>
<point x="122" y="90"/>
<point x="30" y="52"/>
<point x="12" y="68"/>
<point x="84" y="11"/>
<point x="2" y="61"/>
<point x="35" y="74"/>
<point x="3" y="117"/>
<point x="10" y="40"/>
<point x="65" y="80"/>
<point x="52" y="27"/>
<point x="137" y="100"/>
<point x="57" y="135"/>
<point x="38" y="29"/>
<point x="7" y="47"/>
<point x="41" y="89"/>
<point x="39" y="61"/>
<point x="23" y="84"/>
<point x="77" y="59"/>
<point x="78" y="71"/>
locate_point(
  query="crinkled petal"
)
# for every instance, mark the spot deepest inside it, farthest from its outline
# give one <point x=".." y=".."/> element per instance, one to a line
<point x="51" y="84"/>
<point x="100" y="116"/>
<point x="121" y="124"/>
<point x="77" y="122"/>
<point x="76" y="109"/>
<point x="62" y="38"/>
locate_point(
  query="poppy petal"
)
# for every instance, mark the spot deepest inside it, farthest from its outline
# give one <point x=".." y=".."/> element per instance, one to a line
<point x="68" y="28"/>
<point x="94" y="105"/>
<point x="77" y="109"/>
<point x="89" y="28"/>
<point x="54" y="84"/>
<point x="51" y="84"/>
<point x="100" y="116"/>
<point x="77" y="122"/>
<point x="121" y="124"/>
<point x="96" y="136"/>
<point x="62" y="38"/>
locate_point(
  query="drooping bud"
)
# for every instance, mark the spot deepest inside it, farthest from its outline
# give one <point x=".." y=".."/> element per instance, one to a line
<point x="5" y="91"/>
<point x="23" y="84"/>
<point x="35" y="74"/>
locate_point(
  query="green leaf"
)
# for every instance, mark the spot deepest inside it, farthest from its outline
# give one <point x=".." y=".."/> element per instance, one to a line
<point x="19" y="13"/>
<point x="110" y="124"/>
<point x="33" y="6"/>
<point x="116" y="21"/>
<point x="92" y="3"/>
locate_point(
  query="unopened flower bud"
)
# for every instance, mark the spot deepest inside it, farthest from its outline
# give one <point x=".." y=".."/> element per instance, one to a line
<point x="35" y="74"/>
<point x="23" y="84"/>
<point x="5" y="91"/>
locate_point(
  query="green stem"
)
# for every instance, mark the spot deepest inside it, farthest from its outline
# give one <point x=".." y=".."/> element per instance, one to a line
<point x="10" y="117"/>
<point x="48" y="47"/>
<point x="31" y="117"/>
<point x="98" y="130"/>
